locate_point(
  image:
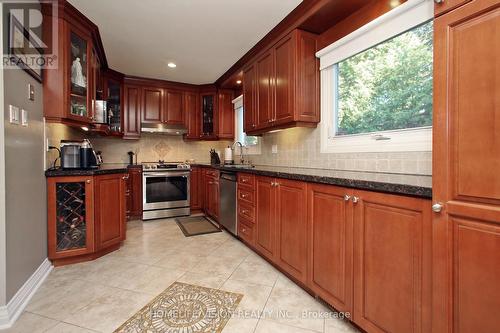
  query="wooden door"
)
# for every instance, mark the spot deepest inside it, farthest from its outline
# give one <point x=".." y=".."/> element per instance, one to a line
<point x="249" y="99"/>
<point x="174" y="110"/>
<point x="330" y="232"/>
<point x="135" y="181"/>
<point x="284" y="81"/>
<point x="443" y="6"/>
<point x="265" y="204"/>
<point x="70" y="216"/>
<point x="193" y="115"/>
<point x="109" y="194"/>
<point x="392" y="263"/>
<point x="291" y="220"/>
<point x="466" y="180"/>
<point x="195" y="189"/>
<point x="212" y="197"/>
<point x="226" y="115"/>
<point x="265" y="84"/>
<point x="132" y="113"/>
<point x="152" y="105"/>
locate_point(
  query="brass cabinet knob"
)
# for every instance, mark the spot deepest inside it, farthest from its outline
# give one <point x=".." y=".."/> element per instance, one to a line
<point x="88" y="181"/>
<point x="437" y="207"/>
<point x="355" y="199"/>
<point x="347" y="197"/>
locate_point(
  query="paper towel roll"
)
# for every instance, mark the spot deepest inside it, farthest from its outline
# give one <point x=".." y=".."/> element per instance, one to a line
<point x="228" y="155"/>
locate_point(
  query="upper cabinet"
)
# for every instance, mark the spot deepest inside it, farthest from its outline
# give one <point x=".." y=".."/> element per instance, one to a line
<point x="193" y="119"/>
<point x="174" y="111"/>
<point x="208" y="115"/>
<point x="281" y="86"/>
<point x="226" y="120"/>
<point x="152" y="105"/>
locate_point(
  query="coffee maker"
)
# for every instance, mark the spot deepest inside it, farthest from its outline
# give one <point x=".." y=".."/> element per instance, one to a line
<point x="78" y="155"/>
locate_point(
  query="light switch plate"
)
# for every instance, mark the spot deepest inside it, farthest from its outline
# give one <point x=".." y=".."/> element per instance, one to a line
<point x="274" y="149"/>
<point x="14" y="114"/>
<point x="31" y="92"/>
<point x="24" y="117"/>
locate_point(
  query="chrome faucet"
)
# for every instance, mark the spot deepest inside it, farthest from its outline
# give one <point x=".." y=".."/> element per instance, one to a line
<point x="242" y="160"/>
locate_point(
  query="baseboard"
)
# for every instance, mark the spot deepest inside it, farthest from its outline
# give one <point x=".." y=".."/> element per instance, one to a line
<point x="10" y="312"/>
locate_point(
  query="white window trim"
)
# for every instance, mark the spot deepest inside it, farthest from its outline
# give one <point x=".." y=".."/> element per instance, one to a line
<point x="249" y="150"/>
<point x="404" y="17"/>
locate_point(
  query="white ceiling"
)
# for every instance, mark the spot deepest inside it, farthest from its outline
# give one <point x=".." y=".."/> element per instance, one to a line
<point x="203" y="37"/>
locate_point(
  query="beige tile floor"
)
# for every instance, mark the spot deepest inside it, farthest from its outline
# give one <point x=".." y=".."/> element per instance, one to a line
<point x="99" y="296"/>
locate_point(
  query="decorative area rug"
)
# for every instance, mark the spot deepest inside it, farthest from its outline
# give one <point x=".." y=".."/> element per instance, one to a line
<point x="184" y="308"/>
<point x="196" y="225"/>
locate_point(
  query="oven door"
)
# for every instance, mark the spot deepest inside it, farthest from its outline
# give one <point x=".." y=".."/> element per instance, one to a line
<point x="168" y="189"/>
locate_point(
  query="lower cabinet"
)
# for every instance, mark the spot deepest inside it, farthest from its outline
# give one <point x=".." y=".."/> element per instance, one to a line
<point x="134" y="192"/>
<point x="85" y="216"/>
<point x="195" y="189"/>
<point x="330" y="233"/>
<point x="211" y="193"/>
<point x="366" y="253"/>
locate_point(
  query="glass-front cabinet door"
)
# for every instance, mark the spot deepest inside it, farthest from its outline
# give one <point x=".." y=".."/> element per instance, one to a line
<point x="70" y="216"/>
<point x="208" y="115"/>
<point x="79" y="75"/>
<point x="113" y="105"/>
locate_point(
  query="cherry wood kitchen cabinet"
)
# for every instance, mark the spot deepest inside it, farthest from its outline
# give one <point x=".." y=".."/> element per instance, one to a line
<point x="209" y="117"/>
<point x="291" y="223"/>
<point x="246" y="208"/>
<point x="109" y="210"/>
<point x="132" y="112"/>
<point x="249" y="99"/>
<point x="226" y="122"/>
<point x="392" y="262"/>
<point x="85" y="216"/>
<point x="212" y="193"/>
<point x="196" y="189"/>
<point x="281" y="86"/>
<point x="466" y="182"/>
<point x="193" y="115"/>
<point x="174" y="111"/>
<point x="265" y="219"/>
<point x="134" y="192"/>
<point x="152" y="105"/>
<point x="442" y="6"/>
<point x="330" y="235"/>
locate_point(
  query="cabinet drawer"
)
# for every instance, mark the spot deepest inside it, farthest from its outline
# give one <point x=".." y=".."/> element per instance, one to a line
<point x="246" y="179"/>
<point x="246" y="196"/>
<point x="246" y="231"/>
<point x="212" y="173"/>
<point x="246" y="211"/>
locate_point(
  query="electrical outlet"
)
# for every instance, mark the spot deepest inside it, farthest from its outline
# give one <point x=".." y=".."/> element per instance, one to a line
<point x="274" y="149"/>
<point x="14" y="114"/>
<point x="31" y="92"/>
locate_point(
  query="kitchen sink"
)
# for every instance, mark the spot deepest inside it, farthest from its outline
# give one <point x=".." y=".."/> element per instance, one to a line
<point x="239" y="166"/>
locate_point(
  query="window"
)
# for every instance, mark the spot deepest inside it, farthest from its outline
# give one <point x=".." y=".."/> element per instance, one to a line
<point x="379" y="98"/>
<point x="252" y="143"/>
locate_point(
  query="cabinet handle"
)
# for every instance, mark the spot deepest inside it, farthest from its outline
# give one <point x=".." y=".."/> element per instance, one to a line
<point x="244" y="196"/>
<point x="347" y="197"/>
<point x="355" y="199"/>
<point x="88" y="181"/>
<point x="244" y="211"/>
<point x="244" y="181"/>
<point x="125" y="177"/>
<point x="437" y="207"/>
<point x="244" y="230"/>
<point x="439" y="1"/>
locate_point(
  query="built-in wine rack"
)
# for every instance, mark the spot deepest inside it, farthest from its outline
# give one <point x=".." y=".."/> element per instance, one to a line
<point x="71" y="226"/>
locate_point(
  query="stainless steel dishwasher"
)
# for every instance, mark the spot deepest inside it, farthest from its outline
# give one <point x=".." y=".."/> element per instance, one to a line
<point x="227" y="202"/>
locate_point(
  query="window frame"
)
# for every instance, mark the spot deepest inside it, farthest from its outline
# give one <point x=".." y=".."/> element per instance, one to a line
<point x="249" y="149"/>
<point x="403" y="18"/>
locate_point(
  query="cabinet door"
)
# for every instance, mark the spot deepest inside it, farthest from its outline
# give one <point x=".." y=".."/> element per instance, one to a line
<point x="447" y="5"/>
<point x="291" y="219"/>
<point x="212" y="197"/>
<point x="209" y="116"/>
<point x="330" y="233"/>
<point x="109" y="192"/>
<point x="466" y="158"/>
<point x="70" y="216"/>
<point x="226" y="115"/>
<point x="135" y="181"/>
<point x="79" y="72"/>
<point x="265" y="90"/>
<point x="392" y="263"/>
<point x="152" y="105"/>
<point x="193" y="115"/>
<point x="265" y="237"/>
<point x="132" y="114"/>
<point x="174" y="111"/>
<point x="195" y="189"/>
<point x="249" y="99"/>
<point x="284" y="82"/>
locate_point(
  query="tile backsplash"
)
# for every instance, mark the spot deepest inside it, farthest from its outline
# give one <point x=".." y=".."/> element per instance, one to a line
<point x="300" y="147"/>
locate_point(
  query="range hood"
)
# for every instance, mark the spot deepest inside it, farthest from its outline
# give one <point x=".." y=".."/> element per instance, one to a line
<point x="167" y="129"/>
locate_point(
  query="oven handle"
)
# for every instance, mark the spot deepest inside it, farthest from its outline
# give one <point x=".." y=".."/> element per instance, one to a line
<point x="165" y="174"/>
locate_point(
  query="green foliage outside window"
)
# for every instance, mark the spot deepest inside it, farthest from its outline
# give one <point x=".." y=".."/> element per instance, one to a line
<point x="389" y="86"/>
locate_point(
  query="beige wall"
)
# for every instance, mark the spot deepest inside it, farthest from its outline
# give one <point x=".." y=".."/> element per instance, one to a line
<point x="300" y="147"/>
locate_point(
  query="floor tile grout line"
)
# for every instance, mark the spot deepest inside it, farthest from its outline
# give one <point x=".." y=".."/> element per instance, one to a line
<point x="265" y="304"/>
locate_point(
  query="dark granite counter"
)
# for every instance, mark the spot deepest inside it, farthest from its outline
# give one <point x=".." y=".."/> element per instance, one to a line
<point x="411" y="185"/>
<point x="104" y="169"/>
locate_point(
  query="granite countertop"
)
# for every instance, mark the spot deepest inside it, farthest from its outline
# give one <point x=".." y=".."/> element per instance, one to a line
<point x="104" y="169"/>
<point x="405" y="184"/>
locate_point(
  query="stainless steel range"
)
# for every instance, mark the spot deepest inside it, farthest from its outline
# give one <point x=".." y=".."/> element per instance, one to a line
<point x="165" y="188"/>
